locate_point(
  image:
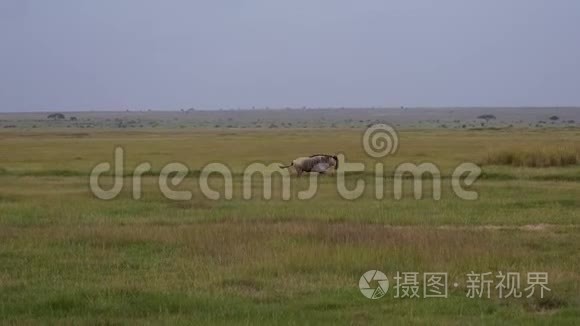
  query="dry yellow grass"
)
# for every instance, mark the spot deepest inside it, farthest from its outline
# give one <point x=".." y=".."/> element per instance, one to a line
<point x="536" y="157"/>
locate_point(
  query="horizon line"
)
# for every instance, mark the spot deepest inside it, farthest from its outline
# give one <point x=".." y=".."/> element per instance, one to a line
<point x="192" y="109"/>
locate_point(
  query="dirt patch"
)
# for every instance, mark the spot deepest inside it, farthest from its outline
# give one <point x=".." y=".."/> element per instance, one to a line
<point x="526" y="227"/>
<point x="546" y="305"/>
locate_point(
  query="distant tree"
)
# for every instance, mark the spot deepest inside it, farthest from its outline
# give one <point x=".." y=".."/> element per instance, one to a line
<point x="487" y="117"/>
<point x="56" y="116"/>
<point x="554" y="118"/>
<point x="73" y="118"/>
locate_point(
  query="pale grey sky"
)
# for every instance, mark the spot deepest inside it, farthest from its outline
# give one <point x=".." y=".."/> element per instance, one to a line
<point x="151" y="54"/>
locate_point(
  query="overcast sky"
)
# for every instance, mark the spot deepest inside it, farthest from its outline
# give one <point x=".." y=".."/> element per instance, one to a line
<point x="137" y="54"/>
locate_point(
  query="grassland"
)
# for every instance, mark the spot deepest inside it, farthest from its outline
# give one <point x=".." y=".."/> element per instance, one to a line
<point x="303" y="118"/>
<point x="67" y="257"/>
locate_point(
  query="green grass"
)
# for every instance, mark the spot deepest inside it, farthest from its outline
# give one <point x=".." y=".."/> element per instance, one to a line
<point x="66" y="257"/>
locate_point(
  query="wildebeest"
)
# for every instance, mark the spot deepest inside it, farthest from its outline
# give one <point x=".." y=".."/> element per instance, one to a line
<point x="321" y="163"/>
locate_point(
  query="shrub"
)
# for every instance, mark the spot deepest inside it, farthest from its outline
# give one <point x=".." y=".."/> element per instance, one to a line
<point x="535" y="158"/>
<point x="56" y="116"/>
<point x="487" y="117"/>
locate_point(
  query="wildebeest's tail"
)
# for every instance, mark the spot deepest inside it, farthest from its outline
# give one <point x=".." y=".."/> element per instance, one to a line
<point x="336" y="159"/>
<point x="286" y="166"/>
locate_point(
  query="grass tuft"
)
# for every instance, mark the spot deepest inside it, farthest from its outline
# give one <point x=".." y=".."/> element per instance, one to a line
<point x="535" y="158"/>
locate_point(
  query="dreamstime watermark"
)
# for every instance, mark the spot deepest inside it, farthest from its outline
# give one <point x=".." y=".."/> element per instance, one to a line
<point x="378" y="141"/>
<point x="374" y="284"/>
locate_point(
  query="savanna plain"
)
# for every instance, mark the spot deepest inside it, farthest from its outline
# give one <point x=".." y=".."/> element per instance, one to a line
<point x="69" y="257"/>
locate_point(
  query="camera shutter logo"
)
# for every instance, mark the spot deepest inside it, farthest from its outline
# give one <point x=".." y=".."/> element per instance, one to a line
<point x="379" y="290"/>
